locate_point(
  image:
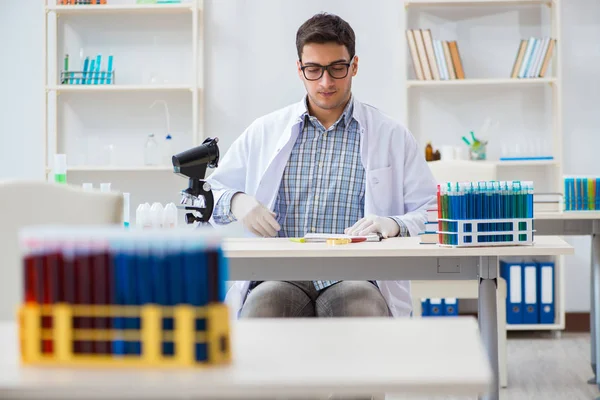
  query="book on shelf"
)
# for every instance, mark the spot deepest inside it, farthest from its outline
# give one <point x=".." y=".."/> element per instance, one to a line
<point x="547" y="202"/>
<point x="533" y="57"/>
<point x="434" y="59"/>
<point x="429" y="234"/>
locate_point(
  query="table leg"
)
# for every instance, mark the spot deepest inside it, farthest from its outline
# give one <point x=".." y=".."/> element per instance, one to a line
<point x="488" y="319"/>
<point x="595" y="303"/>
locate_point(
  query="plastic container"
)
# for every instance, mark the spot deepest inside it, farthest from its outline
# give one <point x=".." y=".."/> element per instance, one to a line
<point x="170" y="216"/>
<point x="142" y="216"/>
<point x="151" y="151"/>
<point x="156" y="215"/>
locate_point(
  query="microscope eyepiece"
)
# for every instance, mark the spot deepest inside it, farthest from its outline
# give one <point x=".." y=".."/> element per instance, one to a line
<point x="192" y="163"/>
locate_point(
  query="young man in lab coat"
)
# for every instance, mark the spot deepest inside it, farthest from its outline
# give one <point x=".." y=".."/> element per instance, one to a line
<point x="328" y="164"/>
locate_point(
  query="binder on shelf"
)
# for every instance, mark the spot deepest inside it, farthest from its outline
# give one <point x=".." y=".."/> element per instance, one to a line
<point x="435" y="307"/>
<point x="546" y="292"/>
<point x="530" y="294"/>
<point x="450" y="306"/>
<point x="511" y="272"/>
<point x="424" y="307"/>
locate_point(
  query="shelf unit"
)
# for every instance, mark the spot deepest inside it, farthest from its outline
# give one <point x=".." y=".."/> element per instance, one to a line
<point x="175" y="8"/>
<point x="119" y="88"/>
<point x="189" y="92"/>
<point x="480" y="82"/>
<point x="488" y="86"/>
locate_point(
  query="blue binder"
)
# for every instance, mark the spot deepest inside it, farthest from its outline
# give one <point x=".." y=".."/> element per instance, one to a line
<point x="424" y="307"/>
<point x="511" y="272"/>
<point x="546" y="292"/>
<point x="436" y="308"/>
<point x="530" y="294"/>
<point x="450" y="306"/>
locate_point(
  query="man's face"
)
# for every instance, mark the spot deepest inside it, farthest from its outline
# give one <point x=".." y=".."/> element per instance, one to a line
<point x="327" y="92"/>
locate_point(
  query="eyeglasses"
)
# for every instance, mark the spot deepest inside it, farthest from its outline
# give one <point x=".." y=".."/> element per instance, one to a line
<point x="315" y="72"/>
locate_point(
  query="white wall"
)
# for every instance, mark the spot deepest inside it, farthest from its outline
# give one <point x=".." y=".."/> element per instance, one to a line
<point x="250" y="70"/>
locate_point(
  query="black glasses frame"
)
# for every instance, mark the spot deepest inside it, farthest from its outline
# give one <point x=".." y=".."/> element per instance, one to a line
<point x="326" y="67"/>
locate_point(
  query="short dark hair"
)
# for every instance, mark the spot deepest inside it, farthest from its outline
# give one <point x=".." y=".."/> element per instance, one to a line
<point x="324" y="28"/>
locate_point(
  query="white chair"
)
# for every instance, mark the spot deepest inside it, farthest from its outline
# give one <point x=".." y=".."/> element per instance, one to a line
<point x="460" y="171"/>
<point x="27" y="203"/>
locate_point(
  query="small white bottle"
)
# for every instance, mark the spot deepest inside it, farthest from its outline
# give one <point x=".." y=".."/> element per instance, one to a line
<point x="87" y="187"/>
<point x="151" y="151"/>
<point x="105" y="187"/>
<point x="156" y="215"/>
<point x="170" y="216"/>
<point x="142" y="216"/>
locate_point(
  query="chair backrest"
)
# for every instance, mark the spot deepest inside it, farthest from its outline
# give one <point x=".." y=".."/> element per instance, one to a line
<point x="43" y="203"/>
<point x="462" y="171"/>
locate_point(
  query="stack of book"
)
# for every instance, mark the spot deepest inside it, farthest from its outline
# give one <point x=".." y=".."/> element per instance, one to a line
<point x="548" y="202"/>
<point x="434" y="59"/>
<point x="533" y="58"/>
<point x="430" y="235"/>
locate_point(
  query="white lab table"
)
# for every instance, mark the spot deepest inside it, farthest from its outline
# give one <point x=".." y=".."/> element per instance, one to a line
<point x="298" y="358"/>
<point x="391" y="259"/>
<point x="584" y="223"/>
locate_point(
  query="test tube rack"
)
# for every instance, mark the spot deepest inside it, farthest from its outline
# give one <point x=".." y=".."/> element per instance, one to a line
<point x="109" y="297"/>
<point x="485" y="232"/>
<point x="87" y="77"/>
<point x="200" y="336"/>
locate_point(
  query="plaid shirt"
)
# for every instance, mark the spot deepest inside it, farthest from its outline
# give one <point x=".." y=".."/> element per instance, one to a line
<point x="323" y="185"/>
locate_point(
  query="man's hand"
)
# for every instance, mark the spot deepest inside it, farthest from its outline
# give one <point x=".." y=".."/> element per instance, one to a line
<point x="257" y="218"/>
<point x="372" y="224"/>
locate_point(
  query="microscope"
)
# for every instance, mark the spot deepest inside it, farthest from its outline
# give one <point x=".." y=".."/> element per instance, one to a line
<point x="192" y="164"/>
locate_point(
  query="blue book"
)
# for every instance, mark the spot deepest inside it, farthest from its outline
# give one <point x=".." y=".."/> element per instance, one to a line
<point x="450" y="306"/>
<point x="424" y="307"/>
<point x="546" y="295"/>
<point x="531" y="58"/>
<point x="511" y="272"/>
<point x="530" y="293"/>
<point x="436" y="307"/>
<point x="528" y="52"/>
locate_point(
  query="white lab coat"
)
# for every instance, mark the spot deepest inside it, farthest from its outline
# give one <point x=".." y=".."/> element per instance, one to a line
<point x="398" y="180"/>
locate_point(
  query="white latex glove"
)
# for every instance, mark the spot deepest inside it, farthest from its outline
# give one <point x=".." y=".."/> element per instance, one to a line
<point x="372" y="224"/>
<point x="257" y="218"/>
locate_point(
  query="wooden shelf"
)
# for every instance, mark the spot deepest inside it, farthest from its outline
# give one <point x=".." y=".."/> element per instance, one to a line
<point x="479" y="82"/>
<point x="120" y="88"/>
<point x="125" y="8"/>
<point x="462" y="3"/>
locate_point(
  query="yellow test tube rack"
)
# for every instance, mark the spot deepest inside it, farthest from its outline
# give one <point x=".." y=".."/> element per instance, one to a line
<point x="185" y="337"/>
